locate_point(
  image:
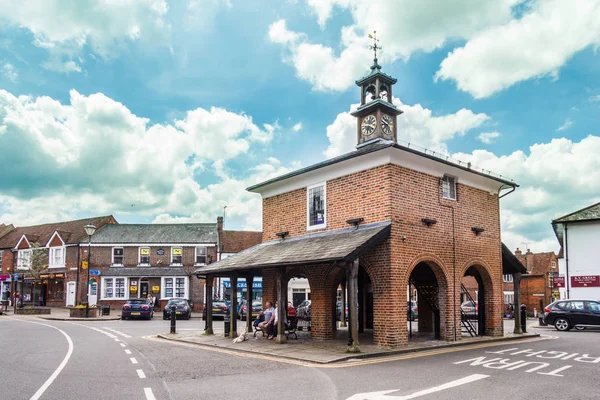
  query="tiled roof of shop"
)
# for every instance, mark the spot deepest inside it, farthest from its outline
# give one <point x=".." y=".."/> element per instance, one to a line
<point x="156" y="233"/>
<point x="322" y="247"/>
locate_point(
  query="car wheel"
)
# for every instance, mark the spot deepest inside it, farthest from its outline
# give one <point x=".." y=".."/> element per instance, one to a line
<point x="562" y="324"/>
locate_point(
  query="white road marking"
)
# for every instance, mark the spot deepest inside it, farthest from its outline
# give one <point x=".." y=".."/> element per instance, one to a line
<point x="141" y="373"/>
<point x="133" y="360"/>
<point x="122" y="345"/>
<point x="110" y="335"/>
<point x="127" y="351"/>
<point x="382" y="395"/>
<point x="117" y="332"/>
<point x="58" y="370"/>
<point x="149" y="394"/>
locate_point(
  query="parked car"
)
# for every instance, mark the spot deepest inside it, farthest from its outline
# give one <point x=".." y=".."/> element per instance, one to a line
<point x="137" y="308"/>
<point x="219" y="309"/>
<point x="291" y="311"/>
<point x="567" y="314"/>
<point x="412" y="311"/>
<point x="183" y="309"/>
<point x="303" y="310"/>
<point x="470" y="309"/>
<point x="243" y="309"/>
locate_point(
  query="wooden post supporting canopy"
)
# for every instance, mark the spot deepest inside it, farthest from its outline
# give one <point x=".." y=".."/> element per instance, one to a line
<point x="517" y="302"/>
<point x="232" y="312"/>
<point x="209" y="315"/>
<point x="281" y="307"/>
<point x="353" y="345"/>
<point x="249" y="282"/>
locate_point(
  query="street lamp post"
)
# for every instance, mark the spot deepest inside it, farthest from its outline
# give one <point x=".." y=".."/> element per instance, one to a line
<point x="89" y="229"/>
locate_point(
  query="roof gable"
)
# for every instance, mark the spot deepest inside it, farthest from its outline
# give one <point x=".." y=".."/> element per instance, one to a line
<point x="588" y="213"/>
<point x="55" y="240"/>
<point x="23" y="243"/>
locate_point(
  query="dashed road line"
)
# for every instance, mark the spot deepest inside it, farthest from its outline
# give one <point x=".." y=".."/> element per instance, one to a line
<point x="127" y="351"/>
<point x="149" y="394"/>
<point x="122" y="334"/>
<point x="122" y="345"/>
<point x="141" y="373"/>
<point x="133" y="360"/>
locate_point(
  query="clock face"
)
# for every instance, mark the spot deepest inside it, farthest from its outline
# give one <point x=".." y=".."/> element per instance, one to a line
<point x="387" y="125"/>
<point x="368" y="125"/>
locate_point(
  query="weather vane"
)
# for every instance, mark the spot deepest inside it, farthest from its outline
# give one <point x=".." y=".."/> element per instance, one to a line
<point x="374" y="47"/>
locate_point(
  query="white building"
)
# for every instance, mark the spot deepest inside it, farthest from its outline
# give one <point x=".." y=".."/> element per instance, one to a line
<point x="579" y="267"/>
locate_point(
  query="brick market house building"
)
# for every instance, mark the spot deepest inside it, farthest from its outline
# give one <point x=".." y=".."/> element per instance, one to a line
<point x="134" y="260"/>
<point x="375" y="220"/>
<point x="57" y="284"/>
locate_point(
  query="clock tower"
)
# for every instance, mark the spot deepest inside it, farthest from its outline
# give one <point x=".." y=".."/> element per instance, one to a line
<point x="376" y="115"/>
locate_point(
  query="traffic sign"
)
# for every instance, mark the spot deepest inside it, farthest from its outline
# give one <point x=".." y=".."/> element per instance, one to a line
<point x="84" y="265"/>
<point x="16" y="276"/>
<point x="94" y="272"/>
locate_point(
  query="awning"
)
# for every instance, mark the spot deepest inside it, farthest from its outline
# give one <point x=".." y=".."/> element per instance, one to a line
<point x="145" y="272"/>
<point x="316" y="248"/>
<point x="510" y="263"/>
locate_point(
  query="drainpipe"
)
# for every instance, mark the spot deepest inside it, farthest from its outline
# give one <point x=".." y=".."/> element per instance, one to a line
<point x="567" y="283"/>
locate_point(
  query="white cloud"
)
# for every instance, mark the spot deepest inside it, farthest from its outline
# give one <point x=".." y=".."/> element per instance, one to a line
<point x="555" y="178"/>
<point x="488" y="137"/>
<point x="297" y="127"/>
<point x="94" y="156"/>
<point x="65" y="27"/>
<point x="535" y="46"/>
<point x="568" y="123"/>
<point x="403" y="26"/>
<point x="10" y="72"/>
<point x="595" y="98"/>
<point x="417" y="125"/>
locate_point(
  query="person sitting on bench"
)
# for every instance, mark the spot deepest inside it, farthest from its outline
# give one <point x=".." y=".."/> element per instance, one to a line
<point x="267" y="313"/>
<point x="272" y="326"/>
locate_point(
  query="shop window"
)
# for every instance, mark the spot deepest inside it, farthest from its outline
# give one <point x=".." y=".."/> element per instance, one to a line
<point x="114" y="288"/>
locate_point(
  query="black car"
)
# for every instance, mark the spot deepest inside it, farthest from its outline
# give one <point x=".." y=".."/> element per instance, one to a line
<point x="219" y="309"/>
<point x="183" y="309"/>
<point x="567" y="314"/>
<point x="243" y="309"/>
<point x="138" y="308"/>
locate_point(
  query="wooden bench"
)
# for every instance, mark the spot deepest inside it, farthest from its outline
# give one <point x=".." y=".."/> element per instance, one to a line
<point x="289" y="328"/>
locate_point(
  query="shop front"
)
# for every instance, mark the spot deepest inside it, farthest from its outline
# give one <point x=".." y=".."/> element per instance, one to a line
<point x="242" y="289"/>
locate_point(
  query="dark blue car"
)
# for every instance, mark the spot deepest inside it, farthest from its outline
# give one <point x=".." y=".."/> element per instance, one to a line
<point x="137" y="308"/>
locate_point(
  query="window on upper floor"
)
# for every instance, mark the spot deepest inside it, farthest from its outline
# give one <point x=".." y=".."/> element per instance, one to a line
<point x="24" y="259"/>
<point x="144" y="256"/>
<point x="200" y="255"/>
<point x="316" y="206"/>
<point x="177" y="255"/>
<point x="1" y="251"/>
<point x="449" y="187"/>
<point x="553" y="264"/>
<point x="508" y="278"/>
<point x="117" y="256"/>
<point x="56" y="257"/>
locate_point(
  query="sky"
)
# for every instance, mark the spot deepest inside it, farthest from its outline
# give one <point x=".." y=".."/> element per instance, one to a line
<point x="161" y="111"/>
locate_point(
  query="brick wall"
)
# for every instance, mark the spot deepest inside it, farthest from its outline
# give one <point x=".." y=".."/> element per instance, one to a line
<point x="404" y="196"/>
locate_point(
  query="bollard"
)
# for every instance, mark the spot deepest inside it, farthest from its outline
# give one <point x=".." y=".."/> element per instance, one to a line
<point x="524" y="318"/>
<point x="227" y="324"/>
<point x="173" y="319"/>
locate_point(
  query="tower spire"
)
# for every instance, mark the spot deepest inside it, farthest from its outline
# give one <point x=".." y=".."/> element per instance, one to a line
<point x="375" y="47"/>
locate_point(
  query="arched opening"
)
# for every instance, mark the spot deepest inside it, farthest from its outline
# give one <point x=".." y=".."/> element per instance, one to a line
<point x="370" y="93"/>
<point x="299" y="300"/>
<point x="425" y="294"/>
<point x="474" y="301"/>
<point x="384" y="93"/>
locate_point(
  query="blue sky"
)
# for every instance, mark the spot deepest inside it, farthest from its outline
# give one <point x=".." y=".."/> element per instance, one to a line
<point x="158" y="111"/>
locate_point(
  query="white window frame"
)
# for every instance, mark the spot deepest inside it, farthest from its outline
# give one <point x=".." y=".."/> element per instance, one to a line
<point x="196" y="263"/>
<point x="140" y="263"/>
<point x="52" y="255"/>
<point x="112" y="257"/>
<point x="1" y="251"/>
<point x="174" y="263"/>
<point x="113" y="280"/>
<point x="509" y="296"/>
<point x="324" y="224"/>
<point x="553" y="264"/>
<point x="446" y="182"/>
<point x="21" y="264"/>
<point x="163" y="287"/>
<point x="507" y="278"/>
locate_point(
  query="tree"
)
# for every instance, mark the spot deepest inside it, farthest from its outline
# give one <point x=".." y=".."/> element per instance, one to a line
<point x="38" y="264"/>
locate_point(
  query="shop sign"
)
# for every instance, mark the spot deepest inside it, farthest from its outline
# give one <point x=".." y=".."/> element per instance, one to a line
<point x="145" y="252"/>
<point x="242" y="284"/>
<point x="155" y="289"/>
<point x="84" y="265"/>
<point x="177" y="252"/>
<point x="558" y="281"/>
<point x="160" y="252"/>
<point x="585" y="281"/>
<point x="4" y="278"/>
<point x="133" y="289"/>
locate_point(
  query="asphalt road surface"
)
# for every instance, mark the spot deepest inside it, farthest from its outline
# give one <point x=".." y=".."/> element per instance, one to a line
<point x="123" y="360"/>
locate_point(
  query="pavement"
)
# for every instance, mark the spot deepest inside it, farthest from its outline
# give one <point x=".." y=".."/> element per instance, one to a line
<point x="62" y="314"/>
<point x="331" y="351"/>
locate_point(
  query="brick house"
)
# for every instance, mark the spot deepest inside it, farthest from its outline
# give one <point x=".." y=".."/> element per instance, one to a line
<point x="134" y="260"/>
<point x="376" y="220"/>
<point x="59" y="241"/>
<point x="536" y="284"/>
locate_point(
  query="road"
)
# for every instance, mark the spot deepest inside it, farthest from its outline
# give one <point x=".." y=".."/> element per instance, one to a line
<point x="122" y="359"/>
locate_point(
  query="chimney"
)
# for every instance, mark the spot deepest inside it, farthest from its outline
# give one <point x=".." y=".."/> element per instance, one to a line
<point x="219" y="224"/>
<point x="528" y="252"/>
<point x="518" y="252"/>
<point x="529" y="260"/>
